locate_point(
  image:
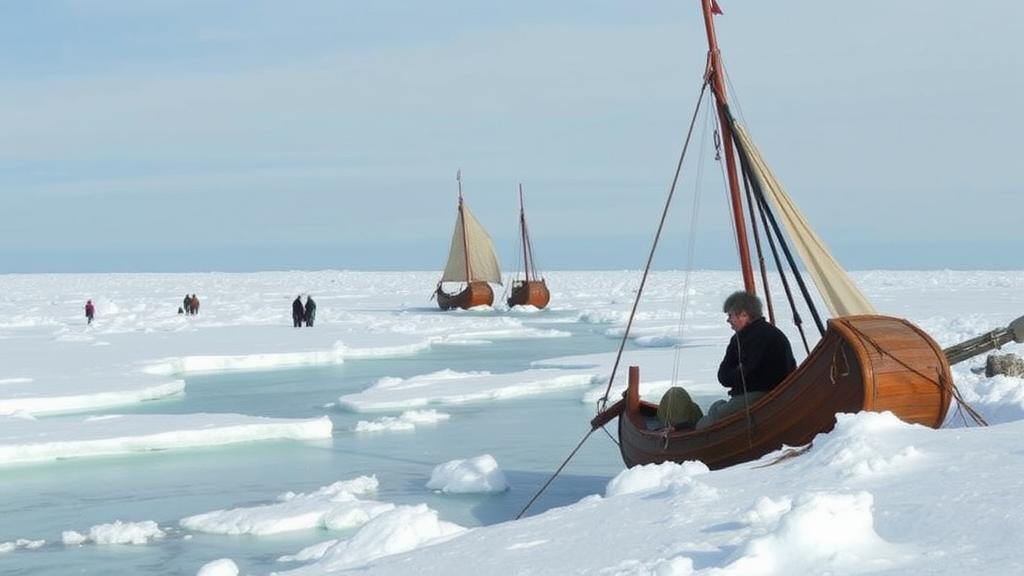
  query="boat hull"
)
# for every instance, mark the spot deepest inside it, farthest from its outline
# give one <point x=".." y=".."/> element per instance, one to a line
<point x="533" y="293"/>
<point x="474" y="294"/>
<point x="875" y="363"/>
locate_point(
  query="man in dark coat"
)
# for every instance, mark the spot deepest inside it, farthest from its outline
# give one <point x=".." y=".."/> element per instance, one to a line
<point x="310" y="310"/>
<point x="90" y="312"/>
<point x="298" y="313"/>
<point x="757" y="359"/>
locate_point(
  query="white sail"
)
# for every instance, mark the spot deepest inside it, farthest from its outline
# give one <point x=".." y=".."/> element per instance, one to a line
<point x="483" y="261"/>
<point x="840" y="294"/>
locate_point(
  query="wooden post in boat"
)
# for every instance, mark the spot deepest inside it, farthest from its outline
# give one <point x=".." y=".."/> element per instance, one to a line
<point x="522" y="233"/>
<point x="718" y="87"/>
<point x="462" y="218"/>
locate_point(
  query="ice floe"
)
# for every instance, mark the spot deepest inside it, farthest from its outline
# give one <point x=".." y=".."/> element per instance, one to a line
<point x="75" y="437"/>
<point x="479" y="475"/>
<point x="334" y="507"/>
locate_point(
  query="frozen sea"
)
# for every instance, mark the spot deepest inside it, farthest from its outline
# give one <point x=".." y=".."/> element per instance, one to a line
<point x="393" y="437"/>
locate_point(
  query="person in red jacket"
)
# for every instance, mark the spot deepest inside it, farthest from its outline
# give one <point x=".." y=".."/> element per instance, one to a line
<point x="90" y="311"/>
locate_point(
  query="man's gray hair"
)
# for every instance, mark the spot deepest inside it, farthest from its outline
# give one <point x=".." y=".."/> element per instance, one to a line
<point x="743" y="302"/>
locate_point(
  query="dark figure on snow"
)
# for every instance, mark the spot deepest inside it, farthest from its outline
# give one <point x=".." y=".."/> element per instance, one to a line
<point x="310" y="310"/>
<point x="298" y="312"/>
<point x="195" y="305"/>
<point x="758" y="358"/>
<point x="90" y="312"/>
<point x="187" y="304"/>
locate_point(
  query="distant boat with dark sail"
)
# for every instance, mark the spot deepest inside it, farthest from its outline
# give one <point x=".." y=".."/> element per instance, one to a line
<point x="472" y="263"/>
<point x="531" y="290"/>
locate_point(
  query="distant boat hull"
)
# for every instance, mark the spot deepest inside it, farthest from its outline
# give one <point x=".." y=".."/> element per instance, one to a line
<point x="474" y="294"/>
<point x="874" y="363"/>
<point x="534" y="293"/>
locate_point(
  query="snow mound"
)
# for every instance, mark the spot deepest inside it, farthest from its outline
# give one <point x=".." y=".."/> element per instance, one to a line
<point x="222" y="567"/>
<point x="480" y="475"/>
<point x="137" y="533"/>
<point x="407" y="420"/>
<point x="999" y="398"/>
<point x="400" y="530"/>
<point x="334" y="507"/>
<point x="654" y="477"/>
<point x="863" y="445"/>
<point x="766" y="511"/>
<point x="823" y="533"/>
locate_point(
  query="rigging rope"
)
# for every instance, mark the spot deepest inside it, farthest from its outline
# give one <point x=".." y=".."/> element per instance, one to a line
<point x="690" y="251"/>
<point x="759" y="194"/>
<point x="603" y="402"/>
<point x="760" y="254"/>
<point x="797" y="320"/>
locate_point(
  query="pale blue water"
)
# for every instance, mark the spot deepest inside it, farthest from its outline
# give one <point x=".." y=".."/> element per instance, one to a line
<point x="528" y="437"/>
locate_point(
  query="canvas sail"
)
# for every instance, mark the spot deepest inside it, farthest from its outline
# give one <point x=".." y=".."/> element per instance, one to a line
<point x="840" y="294"/>
<point x="483" y="261"/>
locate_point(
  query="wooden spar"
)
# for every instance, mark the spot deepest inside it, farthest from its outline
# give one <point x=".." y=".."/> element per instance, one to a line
<point x="462" y="218"/>
<point x="522" y="232"/>
<point x="718" y="87"/>
<point x="987" y="342"/>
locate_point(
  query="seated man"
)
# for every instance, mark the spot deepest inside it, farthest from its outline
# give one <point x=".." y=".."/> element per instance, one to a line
<point x="757" y="359"/>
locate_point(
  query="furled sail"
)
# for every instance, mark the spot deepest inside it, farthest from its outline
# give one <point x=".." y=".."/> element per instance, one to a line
<point x="483" y="261"/>
<point x="840" y="294"/>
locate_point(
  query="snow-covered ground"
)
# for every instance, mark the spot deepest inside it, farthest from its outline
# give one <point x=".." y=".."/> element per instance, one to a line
<point x="874" y="496"/>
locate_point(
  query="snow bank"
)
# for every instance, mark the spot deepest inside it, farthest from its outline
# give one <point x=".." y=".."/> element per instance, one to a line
<point x="451" y="387"/>
<point x="334" y="507"/>
<point x="999" y="398"/>
<point x="399" y="530"/>
<point x="407" y="420"/>
<point x="823" y="533"/>
<point x="863" y="445"/>
<point x="654" y="477"/>
<point x="480" y="475"/>
<point x="137" y="533"/>
<point x="222" y="567"/>
<point x="66" y="437"/>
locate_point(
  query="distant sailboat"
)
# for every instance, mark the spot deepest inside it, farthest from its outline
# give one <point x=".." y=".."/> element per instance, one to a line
<point x="531" y="290"/>
<point x="471" y="261"/>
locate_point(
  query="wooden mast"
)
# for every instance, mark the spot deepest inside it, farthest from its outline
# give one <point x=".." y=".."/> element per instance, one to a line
<point x="522" y="233"/>
<point x="462" y="219"/>
<point x="715" y="74"/>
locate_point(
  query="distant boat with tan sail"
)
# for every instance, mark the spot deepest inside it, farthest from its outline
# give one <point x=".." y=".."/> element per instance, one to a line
<point x="472" y="263"/>
<point x="532" y="290"/>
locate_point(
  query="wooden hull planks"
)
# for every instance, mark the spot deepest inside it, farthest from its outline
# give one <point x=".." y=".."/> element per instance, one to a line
<point x="474" y="294"/>
<point x="533" y="293"/>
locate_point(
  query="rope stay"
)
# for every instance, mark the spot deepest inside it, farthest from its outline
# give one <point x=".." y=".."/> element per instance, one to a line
<point x="603" y="401"/>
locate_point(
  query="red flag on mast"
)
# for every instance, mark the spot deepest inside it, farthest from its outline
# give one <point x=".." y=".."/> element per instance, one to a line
<point x="715" y="8"/>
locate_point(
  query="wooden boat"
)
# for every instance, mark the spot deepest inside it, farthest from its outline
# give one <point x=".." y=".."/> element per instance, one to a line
<point x="532" y="290"/>
<point x="472" y="262"/>
<point x="864" y="361"/>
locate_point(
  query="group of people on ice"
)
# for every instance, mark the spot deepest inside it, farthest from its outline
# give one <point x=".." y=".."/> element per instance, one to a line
<point x="190" y="306"/>
<point x="302" y="313"/>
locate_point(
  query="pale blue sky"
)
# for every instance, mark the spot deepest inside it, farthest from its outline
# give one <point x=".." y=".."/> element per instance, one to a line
<point x="154" y="135"/>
